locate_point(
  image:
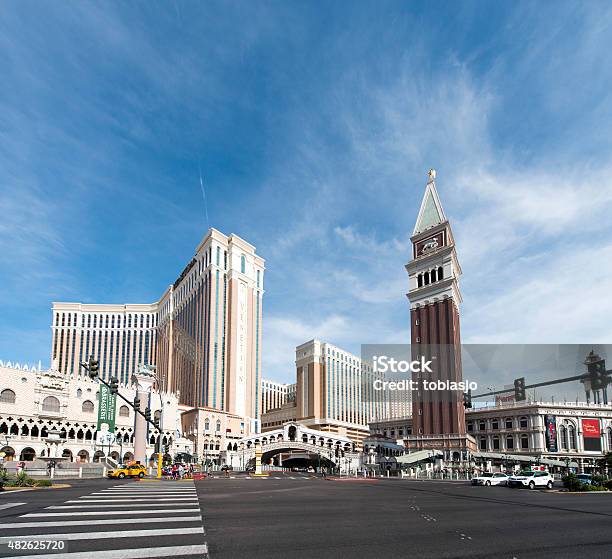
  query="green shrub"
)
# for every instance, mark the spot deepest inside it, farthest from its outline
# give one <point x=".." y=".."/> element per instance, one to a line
<point x="43" y="483"/>
<point x="571" y="482"/>
<point x="601" y="480"/>
<point x="589" y="487"/>
<point x="22" y="479"/>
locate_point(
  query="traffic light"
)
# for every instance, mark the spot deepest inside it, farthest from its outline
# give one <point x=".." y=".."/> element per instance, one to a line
<point x="467" y="399"/>
<point x="167" y="449"/>
<point x="136" y="403"/>
<point x="157" y="423"/>
<point x="93" y="367"/>
<point x="114" y="385"/>
<point x="519" y="389"/>
<point x="148" y="413"/>
<point x="596" y="367"/>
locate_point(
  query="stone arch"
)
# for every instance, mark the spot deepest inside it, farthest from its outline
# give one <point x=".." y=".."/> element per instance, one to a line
<point x="83" y="456"/>
<point x="27" y="454"/>
<point x="9" y="453"/>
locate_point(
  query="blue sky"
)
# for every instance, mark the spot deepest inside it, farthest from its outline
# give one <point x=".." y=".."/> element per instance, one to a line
<point x="314" y="126"/>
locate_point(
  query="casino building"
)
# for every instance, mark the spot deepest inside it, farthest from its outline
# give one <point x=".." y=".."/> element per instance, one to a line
<point x="203" y="334"/>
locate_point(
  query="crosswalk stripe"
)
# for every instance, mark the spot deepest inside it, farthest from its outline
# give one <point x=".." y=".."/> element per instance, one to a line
<point x="10" y="505"/>
<point x="147" y="500"/>
<point x="172" y="551"/>
<point x="112" y="506"/>
<point x="56" y="524"/>
<point x="97" y="513"/>
<point x="106" y="535"/>
<point x="134" y="492"/>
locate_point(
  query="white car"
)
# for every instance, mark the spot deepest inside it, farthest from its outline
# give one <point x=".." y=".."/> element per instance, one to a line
<point x="532" y="480"/>
<point x="490" y="478"/>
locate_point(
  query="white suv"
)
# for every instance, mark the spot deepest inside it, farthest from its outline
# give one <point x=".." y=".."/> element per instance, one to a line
<point x="489" y="478"/>
<point x="532" y="480"/>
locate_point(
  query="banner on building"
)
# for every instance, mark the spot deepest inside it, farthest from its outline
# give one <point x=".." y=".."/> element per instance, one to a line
<point x="107" y="404"/>
<point x="591" y="434"/>
<point x="551" y="433"/>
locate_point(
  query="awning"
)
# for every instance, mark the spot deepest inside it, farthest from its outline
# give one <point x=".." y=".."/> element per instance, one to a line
<point x="523" y="458"/>
<point x="418" y="456"/>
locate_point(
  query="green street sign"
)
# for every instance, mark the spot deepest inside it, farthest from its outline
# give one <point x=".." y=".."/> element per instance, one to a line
<point x="107" y="406"/>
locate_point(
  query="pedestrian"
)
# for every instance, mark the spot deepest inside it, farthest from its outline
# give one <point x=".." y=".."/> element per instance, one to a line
<point x="181" y="471"/>
<point x="174" y="471"/>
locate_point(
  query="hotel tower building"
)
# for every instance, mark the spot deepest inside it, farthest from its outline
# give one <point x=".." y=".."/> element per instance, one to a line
<point x="203" y="335"/>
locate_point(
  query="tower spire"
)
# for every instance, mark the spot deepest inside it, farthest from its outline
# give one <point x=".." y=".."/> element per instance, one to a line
<point x="431" y="212"/>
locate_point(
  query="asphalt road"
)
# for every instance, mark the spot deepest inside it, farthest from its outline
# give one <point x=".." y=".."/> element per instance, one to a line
<point x="272" y="518"/>
<point x="299" y="516"/>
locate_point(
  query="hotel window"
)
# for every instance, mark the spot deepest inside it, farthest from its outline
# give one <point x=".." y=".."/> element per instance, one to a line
<point x="7" y="396"/>
<point x="79" y="393"/>
<point x="495" y="443"/>
<point x="243" y="264"/>
<point x="482" y="425"/>
<point x="218" y="426"/>
<point x="510" y="443"/>
<point x="51" y="404"/>
<point x="524" y="442"/>
<point x="483" y="443"/>
<point x="495" y="424"/>
<point x="206" y="425"/>
<point x="563" y="436"/>
<point x="470" y="427"/>
<point x="258" y="280"/>
<point x="572" y="437"/>
<point x="523" y="422"/>
<point x="88" y="406"/>
<point x="218" y="256"/>
<point x="509" y="423"/>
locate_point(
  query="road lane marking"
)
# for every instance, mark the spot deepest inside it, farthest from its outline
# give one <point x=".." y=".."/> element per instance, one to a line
<point x="74" y="536"/>
<point x="56" y="524"/>
<point x="176" y="550"/>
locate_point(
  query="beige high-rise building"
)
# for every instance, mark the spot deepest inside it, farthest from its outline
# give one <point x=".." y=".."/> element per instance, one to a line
<point x="203" y="335"/>
<point x="335" y="393"/>
<point x="121" y="337"/>
<point x="275" y="394"/>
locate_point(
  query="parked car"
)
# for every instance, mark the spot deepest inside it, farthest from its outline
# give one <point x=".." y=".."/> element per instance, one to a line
<point x="133" y="470"/>
<point x="530" y="479"/>
<point x="490" y="478"/>
<point x="587" y="479"/>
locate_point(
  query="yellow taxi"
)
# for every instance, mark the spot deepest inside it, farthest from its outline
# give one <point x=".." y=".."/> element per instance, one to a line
<point x="131" y="470"/>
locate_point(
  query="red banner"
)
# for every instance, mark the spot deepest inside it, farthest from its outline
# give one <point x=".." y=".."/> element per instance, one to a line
<point x="590" y="428"/>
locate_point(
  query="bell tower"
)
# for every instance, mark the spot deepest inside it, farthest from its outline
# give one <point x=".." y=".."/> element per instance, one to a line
<point x="438" y="416"/>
